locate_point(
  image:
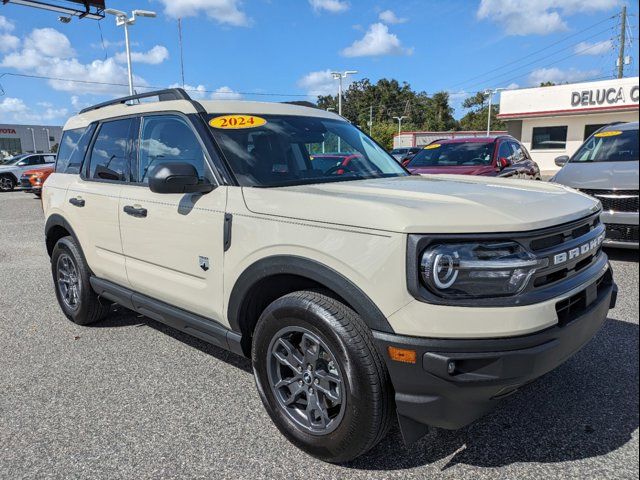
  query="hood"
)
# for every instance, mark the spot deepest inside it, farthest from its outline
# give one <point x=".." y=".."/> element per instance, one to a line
<point x="599" y="175"/>
<point x="426" y="204"/>
<point x="463" y="170"/>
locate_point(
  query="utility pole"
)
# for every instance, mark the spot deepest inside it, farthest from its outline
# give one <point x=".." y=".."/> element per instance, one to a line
<point x="181" y="55"/>
<point x="490" y="93"/>
<point x="400" y="123"/>
<point x="370" y="119"/>
<point x="623" y="27"/>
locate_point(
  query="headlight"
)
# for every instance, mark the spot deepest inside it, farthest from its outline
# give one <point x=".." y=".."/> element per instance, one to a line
<point x="477" y="270"/>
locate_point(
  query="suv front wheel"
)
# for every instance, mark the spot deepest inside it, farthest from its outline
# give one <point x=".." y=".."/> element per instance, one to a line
<point x="320" y="376"/>
<point x="70" y="273"/>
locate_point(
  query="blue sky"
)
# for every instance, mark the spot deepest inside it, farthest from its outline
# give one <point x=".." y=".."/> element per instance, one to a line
<point x="252" y="49"/>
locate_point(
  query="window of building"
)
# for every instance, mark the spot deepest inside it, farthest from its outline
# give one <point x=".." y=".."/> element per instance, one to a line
<point x="591" y="129"/>
<point x="168" y="139"/>
<point x="110" y="154"/>
<point x="549" y="138"/>
<point x="10" y="146"/>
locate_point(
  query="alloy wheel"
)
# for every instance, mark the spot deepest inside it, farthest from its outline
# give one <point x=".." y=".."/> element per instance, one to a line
<point x="306" y="380"/>
<point x="68" y="281"/>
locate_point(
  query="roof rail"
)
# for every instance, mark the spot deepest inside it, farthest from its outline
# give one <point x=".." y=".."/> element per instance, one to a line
<point x="163" y="96"/>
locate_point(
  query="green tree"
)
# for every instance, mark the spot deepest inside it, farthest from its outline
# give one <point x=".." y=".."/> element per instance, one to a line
<point x="476" y="118"/>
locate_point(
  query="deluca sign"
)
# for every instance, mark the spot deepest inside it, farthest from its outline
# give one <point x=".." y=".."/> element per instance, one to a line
<point x="605" y="96"/>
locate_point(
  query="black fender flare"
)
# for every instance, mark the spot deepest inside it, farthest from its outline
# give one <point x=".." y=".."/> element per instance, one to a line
<point x="57" y="220"/>
<point x="312" y="270"/>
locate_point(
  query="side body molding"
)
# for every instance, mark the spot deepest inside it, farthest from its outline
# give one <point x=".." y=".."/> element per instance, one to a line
<point x="311" y="270"/>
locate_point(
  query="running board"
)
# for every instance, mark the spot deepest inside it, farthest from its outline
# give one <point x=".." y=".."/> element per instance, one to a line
<point x="201" y="327"/>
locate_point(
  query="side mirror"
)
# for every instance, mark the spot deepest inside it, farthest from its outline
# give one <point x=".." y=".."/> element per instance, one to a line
<point x="177" y="177"/>
<point x="503" y="162"/>
<point x="21" y="164"/>
<point x="562" y="160"/>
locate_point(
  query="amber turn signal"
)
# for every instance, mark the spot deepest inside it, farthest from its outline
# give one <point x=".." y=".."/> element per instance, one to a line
<point x="403" y="355"/>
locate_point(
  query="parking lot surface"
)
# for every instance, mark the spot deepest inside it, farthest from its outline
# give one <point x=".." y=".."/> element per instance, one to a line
<point x="131" y="398"/>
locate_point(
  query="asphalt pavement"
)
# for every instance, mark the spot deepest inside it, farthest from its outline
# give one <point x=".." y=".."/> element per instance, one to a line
<point x="131" y="398"/>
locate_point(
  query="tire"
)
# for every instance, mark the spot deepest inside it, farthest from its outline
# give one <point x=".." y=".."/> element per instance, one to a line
<point x="7" y="184"/>
<point x="347" y="352"/>
<point x="78" y="301"/>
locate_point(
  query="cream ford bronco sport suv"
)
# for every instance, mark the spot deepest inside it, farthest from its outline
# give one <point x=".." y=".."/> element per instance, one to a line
<point x="358" y="291"/>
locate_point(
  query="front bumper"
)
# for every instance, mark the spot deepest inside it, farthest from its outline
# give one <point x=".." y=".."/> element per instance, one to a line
<point x="455" y="381"/>
<point x="621" y="228"/>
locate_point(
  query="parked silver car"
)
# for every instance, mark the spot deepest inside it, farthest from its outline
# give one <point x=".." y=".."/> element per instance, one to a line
<point x="11" y="171"/>
<point x="606" y="167"/>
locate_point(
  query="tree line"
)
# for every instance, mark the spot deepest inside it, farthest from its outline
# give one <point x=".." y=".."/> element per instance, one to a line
<point x="389" y="98"/>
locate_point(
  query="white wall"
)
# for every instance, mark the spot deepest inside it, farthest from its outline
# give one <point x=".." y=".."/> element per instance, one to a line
<point x="575" y="133"/>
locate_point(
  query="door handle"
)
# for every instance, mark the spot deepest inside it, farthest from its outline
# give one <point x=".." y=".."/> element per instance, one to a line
<point x="135" y="211"/>
<point x="78" y="202"/>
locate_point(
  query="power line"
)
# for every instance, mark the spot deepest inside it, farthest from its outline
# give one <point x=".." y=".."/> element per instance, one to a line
<point x="149" y="87"/>
<point x="537" y="51"/>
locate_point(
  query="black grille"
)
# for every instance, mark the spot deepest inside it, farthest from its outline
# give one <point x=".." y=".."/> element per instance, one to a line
<point x="616" y="200"/>
<point x="571" y="308"/>
<point x="24" y="182"/>
<point x="622" y="233"/>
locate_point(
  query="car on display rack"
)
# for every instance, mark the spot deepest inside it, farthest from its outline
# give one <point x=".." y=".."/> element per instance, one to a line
<point x="606" y="167"/>
<point x="12" y="170"/>
<point x="500" y="156"/>
<point x="31" y="181"/>
<point x="358" y="294"/>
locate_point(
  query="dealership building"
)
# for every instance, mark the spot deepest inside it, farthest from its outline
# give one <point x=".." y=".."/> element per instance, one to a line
<point x="554" y="121"/>
<point x="15" y="139"/>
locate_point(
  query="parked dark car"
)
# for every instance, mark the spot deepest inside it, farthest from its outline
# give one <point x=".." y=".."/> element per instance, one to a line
<point x="501" y="156"/>
<point x="405" y="153"/>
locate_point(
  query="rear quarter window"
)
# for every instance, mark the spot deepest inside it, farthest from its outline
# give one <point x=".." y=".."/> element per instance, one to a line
<point x="73" y="147"/>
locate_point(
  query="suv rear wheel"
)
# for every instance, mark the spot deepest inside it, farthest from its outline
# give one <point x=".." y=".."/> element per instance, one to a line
<point x="320" y="376"/>
<point x="6" y="183"/>
<point x="77" y="299"/>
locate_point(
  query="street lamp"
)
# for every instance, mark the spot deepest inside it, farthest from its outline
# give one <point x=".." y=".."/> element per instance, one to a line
<point x="33" y="139"/>
<point x="491" y="93"/>
<point x="48" y="139"/>
<point x="400" y="123"/>
<point x="339" y="76"/>
<point x="122" y="20"/>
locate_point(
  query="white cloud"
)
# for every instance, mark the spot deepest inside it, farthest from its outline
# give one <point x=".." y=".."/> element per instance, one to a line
<point x="390" y="18"/>
<point x="225" y="93"/>
<point x="226" y="12"/>
<point x="47" y="52"/>
<point x="15" y="110"/>
<point x="541" y="17"/>
<point x="331" y="6"/>
<point x="556" y="75"/>
<point x="377" y="41"/>
<point x="6" y="25"/>
<point x="8" y="42"/>
<point x="197" y="92"/>
<point x="597" y="48"/>
<point x="321" y="83"/>
<point x="155" y="56"/>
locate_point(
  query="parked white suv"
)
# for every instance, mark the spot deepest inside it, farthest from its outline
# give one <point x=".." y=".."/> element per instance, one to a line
<point x="357" y="291"/>
<point x="12" y="169"/>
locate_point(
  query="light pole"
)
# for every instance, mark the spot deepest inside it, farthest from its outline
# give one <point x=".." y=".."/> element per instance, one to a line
<point x="48" y="139"/>
<point x="400" y="123"/>
<point x="330" y="109"/>
<point x="33" y="138"/>
<point x="339" y="76"/>
<point x="491" y="93"/>
<point x="122" y="20"/>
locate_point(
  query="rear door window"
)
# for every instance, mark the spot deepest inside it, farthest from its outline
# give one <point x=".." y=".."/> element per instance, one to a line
<point x="110" y="155"/>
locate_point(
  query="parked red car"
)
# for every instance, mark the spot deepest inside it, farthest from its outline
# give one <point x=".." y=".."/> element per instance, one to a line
<point x="501" y="156"/>
<point x="31" y="181"/>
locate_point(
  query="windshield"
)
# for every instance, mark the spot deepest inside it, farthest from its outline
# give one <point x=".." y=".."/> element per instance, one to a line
<point x="280" y="150"/>
<point x="14" y="160"/>
<point x="454" y="155"/>
<point x="609" y="146"/>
